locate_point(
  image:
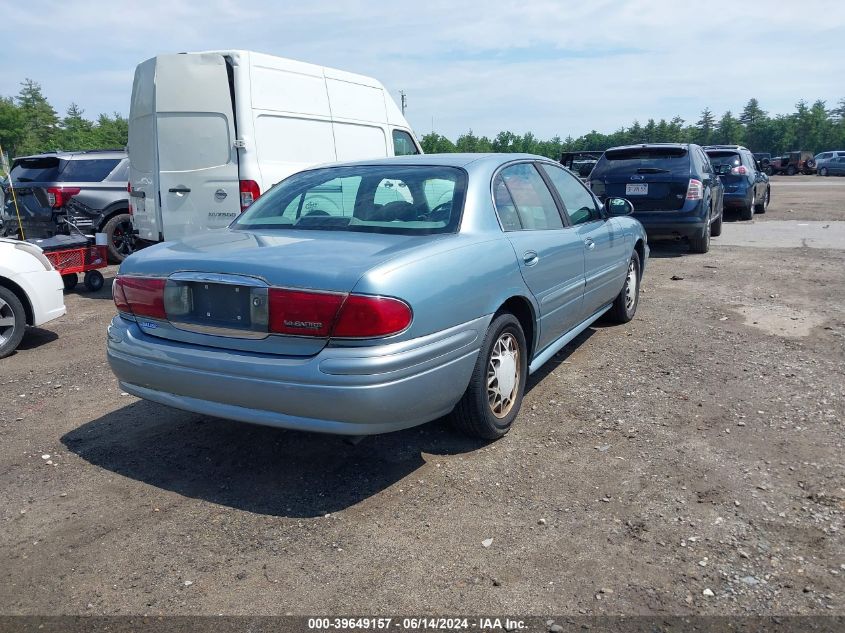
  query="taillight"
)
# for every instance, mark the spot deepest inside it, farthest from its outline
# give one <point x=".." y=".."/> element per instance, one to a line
<point x="249" y="193"/>
<point x="302" y="313"/>
<point x="695" y="190"/>
<point x="739" y="171"/>
<point x="141" y="296"/>
<point x="362" y="317"/>
<point x="58" y="196"/>
<point x="319" y="314"/>
<point x="129" y="191"/>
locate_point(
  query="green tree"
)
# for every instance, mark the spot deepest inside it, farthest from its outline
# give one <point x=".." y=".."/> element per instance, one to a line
<point x="76" y="131"/>
<point x="12" y="129"/>
<point x="433" y="143"/>
<point x="752" y="113"/>
<point x="705" y="127"/>
<point x="39" y="118"/>
<point x="729" y="131"/>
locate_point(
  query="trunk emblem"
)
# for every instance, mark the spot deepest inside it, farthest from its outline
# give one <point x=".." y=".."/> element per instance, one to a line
<point x="636" y="177"/>
<point x="220" y="194"/>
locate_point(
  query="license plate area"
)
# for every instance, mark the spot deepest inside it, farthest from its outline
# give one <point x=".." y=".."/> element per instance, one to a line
<point x="225" y="309"/>
<point x="638" y="189"/>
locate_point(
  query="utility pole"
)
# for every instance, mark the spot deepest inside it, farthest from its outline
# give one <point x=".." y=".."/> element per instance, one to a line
<point x="403" y="101"/>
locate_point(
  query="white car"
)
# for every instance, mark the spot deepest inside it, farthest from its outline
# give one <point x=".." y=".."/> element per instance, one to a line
<point x="31" y="291"/>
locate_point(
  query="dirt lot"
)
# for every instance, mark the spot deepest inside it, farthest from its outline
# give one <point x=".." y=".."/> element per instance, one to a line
<point x="688" y="462"/>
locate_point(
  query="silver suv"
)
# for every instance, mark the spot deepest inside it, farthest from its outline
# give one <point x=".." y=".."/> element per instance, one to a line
<point x="57" y="191"/>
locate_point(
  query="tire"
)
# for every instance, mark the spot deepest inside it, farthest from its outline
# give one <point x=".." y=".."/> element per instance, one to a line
<point x="760" y="207"/>
<point x="747" y="212"/>
<point x="769" y="171"/>
<point x="790" y="171"/>
<point x="716" y="227"/>
<point x="119" y="237"/>
<point x="475" y="415"/>
<point x="94" y="280"/>
<point x="823" y="171"/>
<point x="700" y="243"/>
<point x="12" y="321"/>
<point x="70" y="281"/>
<point x="625" y="305"/>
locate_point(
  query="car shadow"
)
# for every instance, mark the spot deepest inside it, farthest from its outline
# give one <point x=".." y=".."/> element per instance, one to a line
<point x="103" y="293"/>
<point x="561" y="357"/>
<point x="661" y="249"/>
<point x="36" y="337"/>
<point x="254" y="468"/>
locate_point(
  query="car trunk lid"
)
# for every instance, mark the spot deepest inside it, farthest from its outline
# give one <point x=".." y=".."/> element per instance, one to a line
<point x="652" y="178"/>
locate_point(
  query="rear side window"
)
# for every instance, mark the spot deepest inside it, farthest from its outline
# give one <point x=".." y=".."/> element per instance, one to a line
<point x="522" y="198"/>
<point x="643" y="160"/>
<point x="44" y="169"/>
<point x="403" y="144"/>
<point x="93" y="170"/>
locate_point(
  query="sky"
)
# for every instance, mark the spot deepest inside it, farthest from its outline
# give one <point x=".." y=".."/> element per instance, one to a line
<point x="551" y="68"/>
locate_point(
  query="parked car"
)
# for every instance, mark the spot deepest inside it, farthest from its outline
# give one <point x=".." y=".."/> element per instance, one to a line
<point x="824" y="159"/>
<point x="210" y="132"/>
<point x="833" y="167"/>
<point x="86" y="189"/>
<point x="792" y="163"/>
<point x="672" y="187"/>
<point x="764" y="158"/>
<point x="581" y="163"/>
<point x="31" y="291"/>
<point x="367" y="297"/>
<point x="746" y="186"/>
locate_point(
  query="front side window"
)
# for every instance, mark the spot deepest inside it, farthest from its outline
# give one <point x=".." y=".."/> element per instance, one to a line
<point x="580" y="204"/>
<point x="523" y="201"/>
<point x="403" y="144"/>
<point x="413" y="200"/>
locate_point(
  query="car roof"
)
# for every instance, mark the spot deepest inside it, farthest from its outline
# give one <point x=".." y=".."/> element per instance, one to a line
<point x="79" y="155"/>
<point x="650" y="145"/>
<point x="441" y="160"/>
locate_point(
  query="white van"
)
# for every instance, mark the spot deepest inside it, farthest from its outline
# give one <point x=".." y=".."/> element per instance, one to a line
<point x="209" y="132"/>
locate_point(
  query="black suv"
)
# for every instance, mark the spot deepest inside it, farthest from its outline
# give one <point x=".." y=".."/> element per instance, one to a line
<point x="86" y="189"/>
<point x="673" y="188"/>
<point x="746" y="186"/>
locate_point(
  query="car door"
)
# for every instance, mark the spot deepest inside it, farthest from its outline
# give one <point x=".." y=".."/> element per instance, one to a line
<point x="755" y="175"/>
<point x="606" y="249"/>
<point x="550" y="254"/>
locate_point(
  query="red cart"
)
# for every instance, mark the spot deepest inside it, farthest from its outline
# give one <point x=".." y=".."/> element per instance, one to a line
<point x="73" y="255"/>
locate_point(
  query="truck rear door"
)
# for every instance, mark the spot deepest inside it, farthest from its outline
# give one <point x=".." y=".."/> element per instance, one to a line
<point x="195" y="180"/>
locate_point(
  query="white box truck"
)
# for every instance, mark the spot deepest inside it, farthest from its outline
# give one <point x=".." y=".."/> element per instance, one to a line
<point x="209" y="132"/>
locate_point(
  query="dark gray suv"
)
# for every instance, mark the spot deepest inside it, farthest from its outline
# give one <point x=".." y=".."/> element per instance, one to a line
<point x="86" y="189"/>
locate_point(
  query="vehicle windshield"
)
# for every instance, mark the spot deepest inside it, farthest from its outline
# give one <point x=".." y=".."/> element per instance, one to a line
<point x="403" y="199"/>
<point x="724" y="161"/>
<point x="643" y="160"/>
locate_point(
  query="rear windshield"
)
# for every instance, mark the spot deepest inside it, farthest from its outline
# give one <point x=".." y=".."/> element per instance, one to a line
<point x="35" y="169"/>
<point x="643" y="160"/>
<point x="414" y="200"/>
<point x="53" y="169"/>
<point x="720" y="160"/>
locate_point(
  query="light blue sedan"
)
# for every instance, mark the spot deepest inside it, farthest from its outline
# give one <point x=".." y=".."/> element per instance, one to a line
<point x="368" y="297"/>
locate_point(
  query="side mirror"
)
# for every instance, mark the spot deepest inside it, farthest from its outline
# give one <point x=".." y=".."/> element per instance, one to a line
<point x="618" y="206"/>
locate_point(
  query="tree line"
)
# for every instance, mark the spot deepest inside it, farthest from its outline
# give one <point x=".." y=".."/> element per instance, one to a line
<point x="29" y="125"/>
<point x="811" y="127"/>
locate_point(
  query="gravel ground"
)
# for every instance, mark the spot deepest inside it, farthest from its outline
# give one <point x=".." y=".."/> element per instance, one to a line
<point x="690" y="462"/>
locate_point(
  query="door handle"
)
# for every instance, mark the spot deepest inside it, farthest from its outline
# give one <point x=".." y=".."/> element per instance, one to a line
<point x="589" y="243"/>
<point x="180" y="190"/>
<point x="530" y="258"/>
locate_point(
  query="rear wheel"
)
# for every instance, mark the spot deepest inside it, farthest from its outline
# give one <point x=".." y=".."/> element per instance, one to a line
<point x="94" y="280"/>
<point x="493" y="397"/>
<point x="12" y="321"/>
<point x="747" y="212"/>
<point x="716" y="227"/>
<point x="790" y="171"/>
<point x="625" y="305"/>
<point x="823" y="171"/>
<point x="760" y="207"/>
<point x="119" y="237"/>
<point x="70" y="281"/>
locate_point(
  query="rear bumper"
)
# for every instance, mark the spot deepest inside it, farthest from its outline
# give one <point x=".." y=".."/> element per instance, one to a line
<point x="688" y="221"/>
<point x="351" y="391"/>
<point x="741" y="197"/>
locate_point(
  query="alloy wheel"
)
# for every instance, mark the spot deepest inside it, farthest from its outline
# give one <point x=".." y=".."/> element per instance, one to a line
<point x="631" y="286"/>
<point x="122" y="238"/>
<point x="7" y="322"/>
